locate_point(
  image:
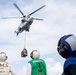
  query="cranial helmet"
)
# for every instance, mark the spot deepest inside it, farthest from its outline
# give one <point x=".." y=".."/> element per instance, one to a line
<point x="35" y="54"/>
<point x="67" y="46"/>
<point x="3" y="56"/>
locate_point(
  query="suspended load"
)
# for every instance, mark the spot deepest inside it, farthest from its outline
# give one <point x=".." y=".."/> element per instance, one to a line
<point x="24" y="52"/>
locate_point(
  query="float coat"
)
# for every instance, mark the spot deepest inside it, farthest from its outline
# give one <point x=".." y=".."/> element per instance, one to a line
<point x="38" y="67"/>
<point x="4" y="68"/>
<point x="70" y="66"/>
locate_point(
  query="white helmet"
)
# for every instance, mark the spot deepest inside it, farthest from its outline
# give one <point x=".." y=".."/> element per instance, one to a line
<point x="3" y="56"/>
<point x="35" y="54"/>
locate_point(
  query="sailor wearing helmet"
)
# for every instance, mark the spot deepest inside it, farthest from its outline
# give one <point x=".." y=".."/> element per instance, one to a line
<point x="5" y="68"/>
<point x="67" y="49"/>
<point x="36" y="66"/>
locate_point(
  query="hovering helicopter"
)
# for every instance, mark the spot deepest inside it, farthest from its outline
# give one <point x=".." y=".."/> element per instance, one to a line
<point x="26" y="21"/>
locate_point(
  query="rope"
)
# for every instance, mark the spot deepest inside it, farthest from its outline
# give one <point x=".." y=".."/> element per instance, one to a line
<point x="25" y="40"/>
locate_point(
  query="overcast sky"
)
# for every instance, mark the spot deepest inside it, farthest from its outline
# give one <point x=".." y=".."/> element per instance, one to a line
<point x="59" y="19"/>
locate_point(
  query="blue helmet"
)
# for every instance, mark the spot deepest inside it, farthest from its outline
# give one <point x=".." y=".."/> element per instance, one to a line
<point x="67" y="46"/>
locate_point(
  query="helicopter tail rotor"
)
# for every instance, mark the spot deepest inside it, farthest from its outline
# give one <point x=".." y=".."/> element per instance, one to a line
<point x="16" y="32"/>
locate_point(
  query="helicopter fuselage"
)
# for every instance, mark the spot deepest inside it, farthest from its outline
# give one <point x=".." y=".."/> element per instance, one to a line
<point x="26" y="21"/>
<point x="24" y="25"/>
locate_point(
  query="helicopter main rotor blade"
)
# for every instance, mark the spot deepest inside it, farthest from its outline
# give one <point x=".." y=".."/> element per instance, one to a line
<point x="38" y="19"/>
<point x="37" y="10"/>
<point x="11" y="17"/>
<point x="19" y="9"/>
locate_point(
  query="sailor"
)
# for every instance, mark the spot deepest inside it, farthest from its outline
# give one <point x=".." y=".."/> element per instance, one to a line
<point x="36" y="66"/>
<point x="67" y="49"/>
<point x="5" y="68"/>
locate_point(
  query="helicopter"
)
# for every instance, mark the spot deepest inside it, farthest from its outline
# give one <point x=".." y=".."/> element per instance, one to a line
<point x="26" y="21"/>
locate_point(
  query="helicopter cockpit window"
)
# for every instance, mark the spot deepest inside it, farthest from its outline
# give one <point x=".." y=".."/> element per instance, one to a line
<point x="22" y="20"/>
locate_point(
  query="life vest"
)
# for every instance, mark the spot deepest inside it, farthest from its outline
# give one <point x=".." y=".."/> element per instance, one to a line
<point x="4" y="68"/>
<point x="68" y="62"/>
<point x="38" y="67"/>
